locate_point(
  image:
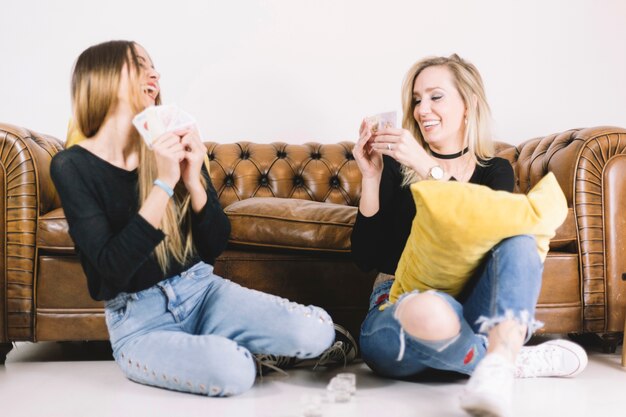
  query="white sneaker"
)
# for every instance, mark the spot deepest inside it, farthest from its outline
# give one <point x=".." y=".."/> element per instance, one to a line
<point x="559" y="357"/>
<point x="490" y="388"/>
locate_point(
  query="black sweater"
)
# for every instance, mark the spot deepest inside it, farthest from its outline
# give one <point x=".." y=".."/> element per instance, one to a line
<point x="378" y="241"/>
<point x="116" y="244"/>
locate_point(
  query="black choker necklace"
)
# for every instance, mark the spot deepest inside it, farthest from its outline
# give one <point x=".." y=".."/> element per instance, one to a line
<point x="449" y="156"/>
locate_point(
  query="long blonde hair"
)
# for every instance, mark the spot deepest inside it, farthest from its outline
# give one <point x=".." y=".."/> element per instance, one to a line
<point x="95" y="86"/>
<point x="469" y="84"/>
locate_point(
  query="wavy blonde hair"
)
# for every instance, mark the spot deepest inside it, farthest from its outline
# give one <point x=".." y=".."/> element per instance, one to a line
<point x="469" y="84"/>
<point x="95" y="86"/>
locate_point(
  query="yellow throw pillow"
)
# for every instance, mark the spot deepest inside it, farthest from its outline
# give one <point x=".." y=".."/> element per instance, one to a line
<point x="73" y="135"/>
<point x="456" y="224"/>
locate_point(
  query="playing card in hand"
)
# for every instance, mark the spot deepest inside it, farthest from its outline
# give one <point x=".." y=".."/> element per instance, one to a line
<point x="182" y="120"/>
<point x="382" y="120"/>
<point x="156" y="120"/>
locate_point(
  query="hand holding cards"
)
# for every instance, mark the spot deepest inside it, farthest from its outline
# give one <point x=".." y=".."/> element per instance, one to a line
<point x="156" y="120"/>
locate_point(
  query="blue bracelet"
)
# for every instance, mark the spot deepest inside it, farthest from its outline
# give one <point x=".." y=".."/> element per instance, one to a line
<point x="164" y="187"/>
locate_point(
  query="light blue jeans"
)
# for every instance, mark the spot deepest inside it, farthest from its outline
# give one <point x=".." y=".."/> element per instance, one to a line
<point x="196" y="332"/>
<point x="506" y="286"/>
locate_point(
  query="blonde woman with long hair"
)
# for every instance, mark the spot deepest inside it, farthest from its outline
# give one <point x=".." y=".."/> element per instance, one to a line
<point x="147" y="225"/>
<point x="445" y="136"/>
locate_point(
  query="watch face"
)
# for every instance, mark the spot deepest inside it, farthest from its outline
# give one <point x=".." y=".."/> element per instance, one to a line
<point x="436" y="172"/>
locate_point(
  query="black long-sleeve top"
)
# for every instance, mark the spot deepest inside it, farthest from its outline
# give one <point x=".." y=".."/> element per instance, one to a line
<point x="114" y="243"/>
<point x="378" y="241"/>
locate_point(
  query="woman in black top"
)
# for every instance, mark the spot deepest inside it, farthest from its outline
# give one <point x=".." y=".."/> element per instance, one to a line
<point x="148" y="226"/>
<point x="446" y="136"/>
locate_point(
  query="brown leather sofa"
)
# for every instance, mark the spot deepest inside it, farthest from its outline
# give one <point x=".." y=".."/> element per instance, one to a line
<point x="292" y="239"/>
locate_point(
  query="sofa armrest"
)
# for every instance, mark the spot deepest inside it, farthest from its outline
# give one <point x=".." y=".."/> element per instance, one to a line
<point x="590" y="165"/>
<point x="27" y="191"/>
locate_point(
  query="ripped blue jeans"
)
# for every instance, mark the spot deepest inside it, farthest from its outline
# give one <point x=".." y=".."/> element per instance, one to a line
<point x="506" y="286"/>
<point x="196" y="332"/>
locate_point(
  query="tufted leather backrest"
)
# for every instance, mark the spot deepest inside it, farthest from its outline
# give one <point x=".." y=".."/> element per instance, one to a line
<point x="560" y="153"/>
<point x="312" y="171"/>
<point x="534" y="158"/>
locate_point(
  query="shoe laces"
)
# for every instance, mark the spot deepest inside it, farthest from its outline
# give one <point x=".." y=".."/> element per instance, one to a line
<point x="537" y="361"/>
<point x="273" y="362"/>
<point x="334" y="354"/>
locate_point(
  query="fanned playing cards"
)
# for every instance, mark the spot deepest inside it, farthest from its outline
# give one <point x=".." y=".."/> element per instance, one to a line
<point x="156" y="120"/>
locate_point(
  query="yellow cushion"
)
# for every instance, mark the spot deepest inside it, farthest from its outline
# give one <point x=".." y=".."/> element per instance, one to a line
<point x="456" y="224"/>
<point x="73" y="135"/>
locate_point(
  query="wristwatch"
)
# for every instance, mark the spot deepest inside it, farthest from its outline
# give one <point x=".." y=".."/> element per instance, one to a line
<point x="435" y="173"/>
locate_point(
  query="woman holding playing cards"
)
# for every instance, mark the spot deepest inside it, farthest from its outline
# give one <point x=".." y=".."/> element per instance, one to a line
<point x="446" y="137"/>
<point x="148" y="226"/>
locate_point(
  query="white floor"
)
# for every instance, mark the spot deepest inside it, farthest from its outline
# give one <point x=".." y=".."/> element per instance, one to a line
<point x="52" y="379"/>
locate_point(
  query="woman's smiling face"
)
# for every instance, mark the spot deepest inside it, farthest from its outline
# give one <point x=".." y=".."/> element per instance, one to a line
<point x="439" y="108"/>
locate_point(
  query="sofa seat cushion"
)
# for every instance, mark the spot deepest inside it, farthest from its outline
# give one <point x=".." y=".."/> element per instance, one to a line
<point x="53" y="233"/>
<point x="289" y="223"/>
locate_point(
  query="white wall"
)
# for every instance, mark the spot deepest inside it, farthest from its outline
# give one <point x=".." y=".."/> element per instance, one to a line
<point x="296" y="70"/>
